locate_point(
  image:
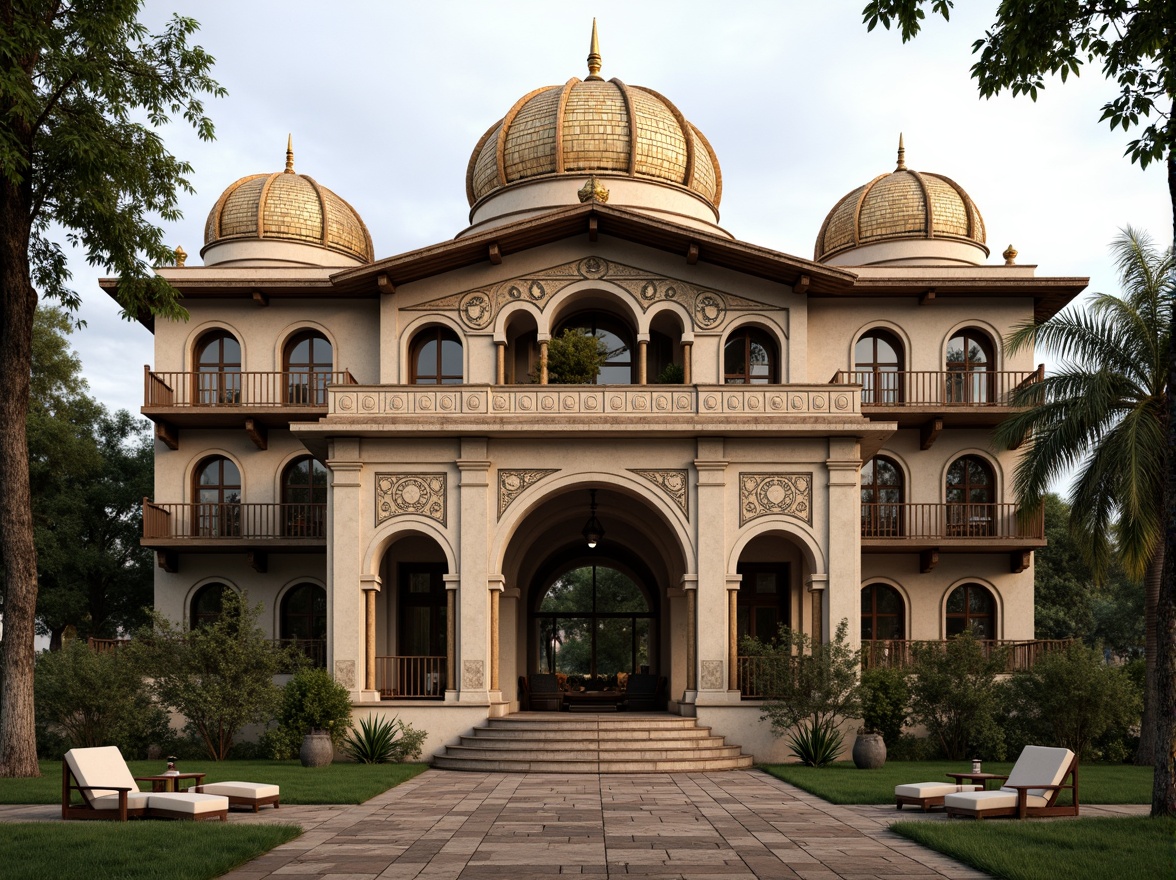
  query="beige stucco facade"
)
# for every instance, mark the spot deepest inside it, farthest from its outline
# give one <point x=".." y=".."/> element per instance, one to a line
<point x="452" y="493"/>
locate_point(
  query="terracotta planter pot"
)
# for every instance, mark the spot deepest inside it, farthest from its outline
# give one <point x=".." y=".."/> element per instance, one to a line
<point x="869" y="751"/>
<point x="317" y="749"/>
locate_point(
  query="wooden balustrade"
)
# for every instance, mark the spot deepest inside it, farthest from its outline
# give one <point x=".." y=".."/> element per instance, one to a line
<point x="399" y="677"/>
<point x="228" y="520"/>
<point x="229" y="388"/>
<point x="919" y="521"/>
<point x="939" y="388"/>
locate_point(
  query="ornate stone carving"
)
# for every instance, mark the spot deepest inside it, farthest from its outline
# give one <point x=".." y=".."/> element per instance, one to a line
<point x="400" y="494"/>
<point x="345" y="673"/>
<point x="712" y="678"/>
<point x="512" y="483"/>
<point x="478" y="307"/>
<point x="473" y="677"/>
<point x="673" y="482"/>
<point x="765" y="494"/>
<point x="593" y="191"/>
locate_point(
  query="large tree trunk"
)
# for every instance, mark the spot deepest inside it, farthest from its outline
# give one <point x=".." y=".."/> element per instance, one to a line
<point x="1164" y="742"/>
<point x="1146" y="753"/>
<point x="18" y="302"/>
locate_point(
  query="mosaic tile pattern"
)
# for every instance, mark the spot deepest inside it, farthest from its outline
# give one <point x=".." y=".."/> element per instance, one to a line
<point x="530" y="141"/>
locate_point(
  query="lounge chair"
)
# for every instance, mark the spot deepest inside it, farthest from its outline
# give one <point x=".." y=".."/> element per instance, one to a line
<point x="544" y="694"/>
<point x="109" y="791"/>
<point x="1031" y="789"/>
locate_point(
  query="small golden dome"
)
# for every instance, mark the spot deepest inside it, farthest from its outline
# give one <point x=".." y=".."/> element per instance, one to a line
<point x="285" y="206"/>
<point x="594" y="127"/>
<point x="902" y="205"/>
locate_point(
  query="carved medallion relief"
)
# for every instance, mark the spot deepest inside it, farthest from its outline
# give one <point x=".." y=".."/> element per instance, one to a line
<point x="766" y="494"/>
<point x="512" y="483"/>
<point x="401" y="494"/>
<point x="672" y="482"/>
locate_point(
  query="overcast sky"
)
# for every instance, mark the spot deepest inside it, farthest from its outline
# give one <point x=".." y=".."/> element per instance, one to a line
<point x="386" y="101"/>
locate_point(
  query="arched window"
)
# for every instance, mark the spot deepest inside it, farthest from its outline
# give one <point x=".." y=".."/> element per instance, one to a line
<point x="971" y="607"/>
<point x="762" y="603"/>
<point x="217" y="493"/>
<point x="207" y="605"/>
<point x="970" y="496"/>
<point x="749" y="358"/>
<point x="436" y="357"/>
<point x="218" y="370"/>
<point x="618" y="340"/>
<point x="883" y="613"/>
<point x="882" y="498"/>
<point x="304" y="498"/>
<point x="878" y="364"/>
<point x="969" y="360"/>
<point x="304" y="621"/>
<point x="308" y="361"/>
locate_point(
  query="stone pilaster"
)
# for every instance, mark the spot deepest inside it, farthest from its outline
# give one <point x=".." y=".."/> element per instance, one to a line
<point x="842" y="599"/>
<point x="346" y="621"/>
<point x="475" y="505"/>
<point x="711" y="540"/>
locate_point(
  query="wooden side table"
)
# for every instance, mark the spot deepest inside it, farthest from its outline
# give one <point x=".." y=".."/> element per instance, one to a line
<point x="976" y="778"/>
<point x="170" y="781"/>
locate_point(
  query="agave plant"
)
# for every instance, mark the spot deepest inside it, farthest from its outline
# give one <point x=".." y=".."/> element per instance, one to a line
<point x="373" y="742"/>
<point x="816" y="743"/>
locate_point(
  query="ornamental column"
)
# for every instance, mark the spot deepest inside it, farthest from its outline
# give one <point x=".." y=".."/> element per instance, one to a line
<point x="499" y="361"/>
<point x="543" y="340"/>
<point x="473" y="540"/>
<point x="346" y="613"/>
<point x="370" y="585"/>
<point x="687" y="358"/>
<point x="642" y="358"/>
<point x="452" y="582"/>
<point x="842" y="600"/>
<point x="711" y="540"/>
<point x="733" y="582"/>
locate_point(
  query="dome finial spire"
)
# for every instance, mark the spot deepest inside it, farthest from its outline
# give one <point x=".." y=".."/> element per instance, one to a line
<point x="594" y="55"/>
<point x="289" y="154"/>
<point x="901" y="154"/>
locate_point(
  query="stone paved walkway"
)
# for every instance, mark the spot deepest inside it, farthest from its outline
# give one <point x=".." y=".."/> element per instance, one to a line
<point x="471" y="826"/>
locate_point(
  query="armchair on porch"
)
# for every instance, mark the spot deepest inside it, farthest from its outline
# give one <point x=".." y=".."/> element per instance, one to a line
<point x="542" y="692"/>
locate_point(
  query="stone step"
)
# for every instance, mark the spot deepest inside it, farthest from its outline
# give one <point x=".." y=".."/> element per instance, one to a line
<point x="562" y="743"/>
<point x="524" y="752"/>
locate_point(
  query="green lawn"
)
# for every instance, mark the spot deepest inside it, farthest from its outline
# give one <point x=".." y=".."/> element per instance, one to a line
<point x="1091" y="849"/>
<point x="134" y="850"/>
<point x="842" y="783"/>
<point x="333" y="784"/>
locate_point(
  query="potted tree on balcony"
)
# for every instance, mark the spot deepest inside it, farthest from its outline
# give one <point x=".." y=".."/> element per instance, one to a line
<point x="575" y="357"/>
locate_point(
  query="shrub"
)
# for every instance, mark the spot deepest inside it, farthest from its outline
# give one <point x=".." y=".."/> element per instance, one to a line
<point x="279" y="744"/>
<point x="219" y="676"/>
<point x="954" y="694"/>
<point x="885" y="697"/>
<point x="671" y="374"/>
<point x="1072" y="698"/>
<point x="381" y="741"/>
<point x="575" y="357"/>
<point x="86" y="699"/>
<point x="816" y="743"/>
<point x="803" y="682"/>
<point x="312" y="700"/>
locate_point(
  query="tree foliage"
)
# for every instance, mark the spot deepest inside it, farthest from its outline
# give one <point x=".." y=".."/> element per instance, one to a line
<point x="92" y="699"/>
<point x="885" y="699"/>
<point x="219" y="676"/>
<point x="91" y="469"/>
<point x="575" y="357"/>
<point x="312" y="700"/>
<point x="84" y="89"/>
<point x="954" y="694"/>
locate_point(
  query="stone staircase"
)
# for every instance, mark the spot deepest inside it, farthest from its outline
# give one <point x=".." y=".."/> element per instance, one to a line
<point x="553" y="742"/>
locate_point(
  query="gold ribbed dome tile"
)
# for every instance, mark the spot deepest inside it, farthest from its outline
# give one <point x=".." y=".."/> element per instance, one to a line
<point x="285" y="206"/>
<point x="904" y="204"/>
<point x="594" y="127"/>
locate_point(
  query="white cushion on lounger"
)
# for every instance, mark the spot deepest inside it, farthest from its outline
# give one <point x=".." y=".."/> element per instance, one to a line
<point x="135" y="801"/>
<point x="931" y="789"/>
<point x="102" y="765"/>
<point x="254" y="790"/>
<point x="190" y="804"/>
<point x="979" y="801"/>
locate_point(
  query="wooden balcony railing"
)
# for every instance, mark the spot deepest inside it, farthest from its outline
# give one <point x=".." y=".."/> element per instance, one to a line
<point x="1019" y="655"/>
<point x="236" y="389"/>
<point x="754" y="673"/>
<point x="410" y="678"/>
<point x="938" y="388"/>
<point x="208" y="520"/>
<point x="923" y="522"/>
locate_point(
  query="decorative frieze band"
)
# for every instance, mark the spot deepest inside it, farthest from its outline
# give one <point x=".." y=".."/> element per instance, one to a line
<point x="477" y="308"/>
<point x="401" y="494"/>
<point x="673" y="482"/>
<point x="512" y="483"/>
<point x="766" y="494"/>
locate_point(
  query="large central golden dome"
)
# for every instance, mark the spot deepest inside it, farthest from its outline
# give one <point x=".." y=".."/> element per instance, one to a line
<point x="598" y="128"/>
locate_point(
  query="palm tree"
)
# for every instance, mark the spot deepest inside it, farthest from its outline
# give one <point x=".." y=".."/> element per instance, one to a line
<point x="1105" y="413"/>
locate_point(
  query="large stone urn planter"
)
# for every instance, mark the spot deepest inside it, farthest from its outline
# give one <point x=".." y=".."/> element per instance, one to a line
<point x="317" y="749"/>
<point x="869" y="751"/>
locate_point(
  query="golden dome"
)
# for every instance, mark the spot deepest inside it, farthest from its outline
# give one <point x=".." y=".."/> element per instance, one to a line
<point x="593" y="127"/>
<point x="902" y="205"/>
<point x="285" y="206"/>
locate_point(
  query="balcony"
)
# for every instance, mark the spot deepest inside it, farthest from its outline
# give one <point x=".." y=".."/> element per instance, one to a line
<point x="929" y="529"/>
<point x="754" y="673"/>
<point x="411" y="677"/>
<point x="255" y="529"/>
<point x="229" y="399"/>
<point x="937" y="399"/>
